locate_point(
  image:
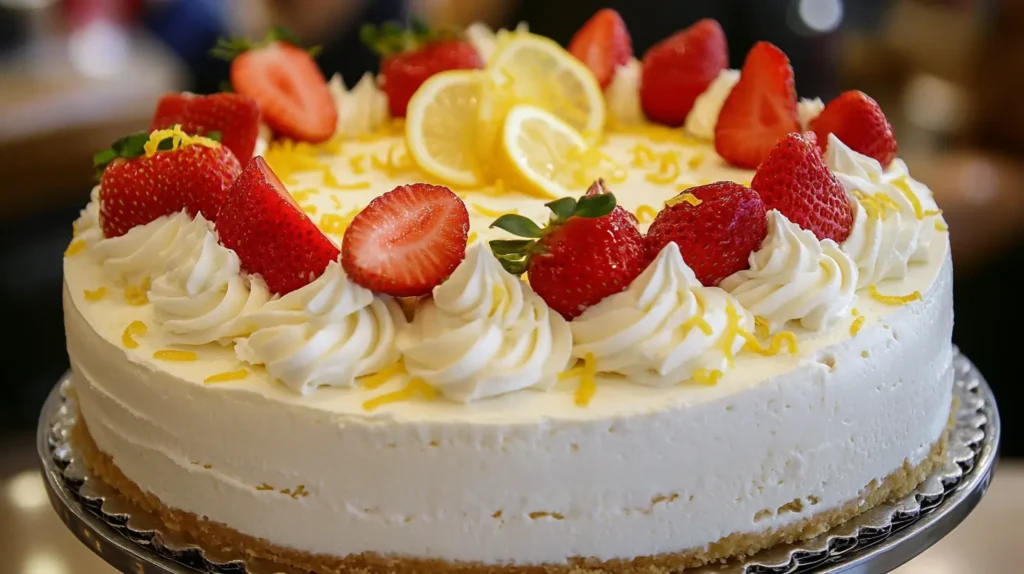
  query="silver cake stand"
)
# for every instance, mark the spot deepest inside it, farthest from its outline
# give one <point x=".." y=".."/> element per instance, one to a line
<point x="877" y="541"/>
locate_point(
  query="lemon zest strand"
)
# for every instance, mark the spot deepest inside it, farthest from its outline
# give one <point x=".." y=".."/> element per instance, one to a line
<point x="137" y="295"/>
<point x="645" y="214"/>
<point x="940" y="226"/>
<point x="762" y="328"/>
<point x="893" y="299"/>
<point x="415" y="388"/>
<point x="707" y="377"/>
<point x="356" y="163"/>
<point x="690" y="198"/>
<point x="77" y="246"/>
<point x="335" y="201"/>
<point x="570" y="374"/>
<point x="134" y="329"/>
<point x="784" y="338"/>
<point x="488" y="212"/>
<point x="902" y="185"/>
<point x="698" y="322"/>
<point x="668" y="170"/>
<point x="382" y="376"/>
<point x="179" y="140"/>
<point x="95" y="295"/>
<point x="588" y="382"/>
<point x="174" y="355"/>
<point x="227" y="377"/>
<point x="471" y="238"/>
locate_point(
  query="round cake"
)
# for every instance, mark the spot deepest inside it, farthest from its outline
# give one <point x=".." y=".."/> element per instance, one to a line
<point x="453" y="319"/>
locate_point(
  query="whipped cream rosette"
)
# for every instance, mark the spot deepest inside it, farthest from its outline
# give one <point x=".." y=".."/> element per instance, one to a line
<point x="701" y="120"/>
<point x="894" y="215"/>
<point x="665" y="328"/>
<point x="361" y="110"/>
<point x="622" y="96"/>
<point x="795" y="277"/>
<point x="324" y="334"/>
<point x="142" y="253"/>
<point x="203" y="297"/>
<point x="485" y="333"/>
<point x="87" y="226"/>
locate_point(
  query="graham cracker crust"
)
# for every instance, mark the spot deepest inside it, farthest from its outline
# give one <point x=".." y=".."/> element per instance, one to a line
<point x="897" y="485"/>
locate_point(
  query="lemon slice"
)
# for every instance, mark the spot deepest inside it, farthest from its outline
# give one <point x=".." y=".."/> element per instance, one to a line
<point x="531" y="69"/>
<point x="538" y="151"/>
<point x="441" y="126"/>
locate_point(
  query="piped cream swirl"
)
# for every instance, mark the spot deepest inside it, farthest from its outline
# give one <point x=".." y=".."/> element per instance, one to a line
<point x="485" y="333"/>
<point x="622" y="96"/>
<point x="807" y="110"/>
<point x="894" y="215"/>
<point x="701" y="120"/>
<point x="795" y="277"/>
<point x="87" y="226"/>
<point x="324" y="334"/>
<point x="203" y="298"/>
<point x="142" y="253"/>
<point x="665" y="328"/>
<point x="361" y="110"/>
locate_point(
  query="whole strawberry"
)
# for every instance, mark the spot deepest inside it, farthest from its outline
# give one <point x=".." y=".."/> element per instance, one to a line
<point x="717" y="235"/>
<point x="272" y="236"/>
<point x="407" y="241"/>
<point x="795" y="180"/>
<point x="603" y="44"/>
<point x="585" y="253"/>
<point x="236" y="117"/>
<point x="858" y="121"/>
<point x="286" y="84"/>
<point x="411" y="56"/>
<point x="137" y="186"/>
<point x="760" y="109"/>
<point x="679" y="68"/>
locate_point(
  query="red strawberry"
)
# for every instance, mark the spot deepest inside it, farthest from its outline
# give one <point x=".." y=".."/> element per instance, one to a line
<point x="715" y="237"/>
<point x="135" y="189"/>
<point x="407" y="241"/>
<point x="795" y="180"/>
<point x="620" y="214"/>
<point x="603" y="44"/>
<point x="760" y="109"/>
<point x="587" y="251"/>
<point x="858" y="122"/>
<point x="412" y="56"/>
<point x="272" y="236"/>
<point x="235" y="116"/>
<point x="680" y="68"/>
<point x="289" y="88"/>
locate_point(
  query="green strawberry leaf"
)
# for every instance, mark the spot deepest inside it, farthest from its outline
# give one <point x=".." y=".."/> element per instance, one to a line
<point x="562" y="208"/>
<point x="230" y="48"/>
<point x="518" y="225"/>
<point x="592" y="206"/>
<point x="510" y="246"/>
<point x="514" y="265"/>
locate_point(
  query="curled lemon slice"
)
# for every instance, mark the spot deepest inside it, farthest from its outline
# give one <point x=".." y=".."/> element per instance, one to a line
<point x="441" y="126"/>
<point x="540" y="152"/>
<point x="531" y="69"/>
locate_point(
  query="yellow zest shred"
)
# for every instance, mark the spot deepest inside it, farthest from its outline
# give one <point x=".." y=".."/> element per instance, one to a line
<point x="892" y="299"/>
<point x="940" y="226"/>
<point x="179" y="139"/>
<point x="919" y="212"/>
<point x="784" y="338"/>
<point x="761" y="327"/>
<point x="570" y="374"/>
<point x="77" y="246"/>
<point x="310" y="209"/>
<point x="415" y="388"/>
<point x="707" y="377"/>
<point x="588" y="382"/>
<point x="471" y="238"/>
<point x="858" y="322"/>
<point x="356" y="163"/>
<point x="642" y="156"/>
<point x="656" y="133"/>
<point x="134" y="329"/>
<point x="174" y="355"/>
<point x="335" y="201"/>
<point x="227" y="377"/>
<point x="695" y="160"/>
<point x="488" y="212"/>
<point x="732" y="330"/>
<point x="331" y="181"/>
<point x="698" y="322"/>
<point x="303" y="194"/>
<point x="137" y="295"/>
<point x="287" y="157"/>
<point x="874" y="208"/>
<point x="497" y="298"/>
<point x="684" y="198"/>
<point x="645" y="214"/>
<point x="337" y="224"/>
<point x="95" y="295"/>
<point x="668" y="170"/>
<point x="382" y="376"/>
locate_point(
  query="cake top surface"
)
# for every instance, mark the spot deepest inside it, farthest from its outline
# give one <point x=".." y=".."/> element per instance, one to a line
<point x="501" y="223"/>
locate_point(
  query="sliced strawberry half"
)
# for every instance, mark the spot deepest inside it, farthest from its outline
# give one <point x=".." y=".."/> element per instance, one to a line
<point x="407" y="241"/>
<point x="289" y="88"/>
<point x="236" y="117"/>
<point x="603" y="44"/>
<point x="858" y="121"/>
<point x="760" y="109"/>
<point x="272" y="236"/>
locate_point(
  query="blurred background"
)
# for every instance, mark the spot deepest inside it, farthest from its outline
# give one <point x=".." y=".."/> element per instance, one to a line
<point x="77" y="74"/>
